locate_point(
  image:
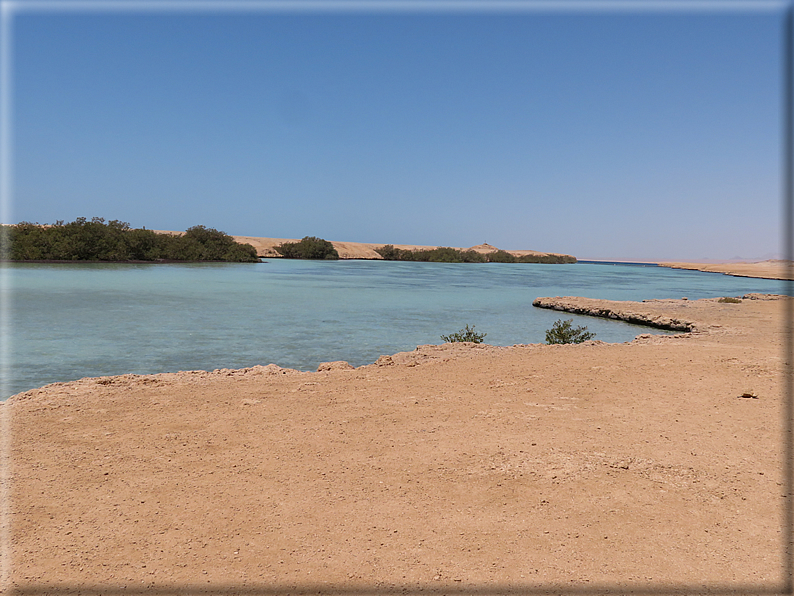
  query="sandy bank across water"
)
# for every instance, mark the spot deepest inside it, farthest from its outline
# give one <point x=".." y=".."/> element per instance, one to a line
<point x="449" y="466"/>
<point x="266" y="248"/>
<point x="772" y="269"/>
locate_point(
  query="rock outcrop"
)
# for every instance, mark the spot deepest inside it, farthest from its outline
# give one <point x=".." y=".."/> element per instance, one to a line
<point x="610" y="309"/>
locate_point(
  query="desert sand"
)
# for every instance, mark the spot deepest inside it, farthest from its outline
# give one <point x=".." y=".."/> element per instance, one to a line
<point x="449" y="469"/>
<point x="771" y="269"/>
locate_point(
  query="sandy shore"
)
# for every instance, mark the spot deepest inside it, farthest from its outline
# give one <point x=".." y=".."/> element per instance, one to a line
<point x="772" y="269"/>
<point x="443" y="469"/>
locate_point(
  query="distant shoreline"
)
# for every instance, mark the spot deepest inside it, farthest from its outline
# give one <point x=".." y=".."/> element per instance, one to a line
<point x="266" y="248"/>
<point x="100" y="262"/>
<point x="780" y="270"/>
<point x="772" y="269"/>
<point x="633" y="263"/>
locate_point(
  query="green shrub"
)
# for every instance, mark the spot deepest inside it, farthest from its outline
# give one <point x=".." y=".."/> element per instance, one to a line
<point x="310" y="247"/>
<point x="472" y="256"/>
<point x="549" y="259"/>
<point x="95" y="240"/>
<point x="563" y="332"/>
<point x="445" y="254"/>
<point x="500" y="256"/>
<point x="389" y="253"/>
<point x="442" y="254"/>
<point x="465" y="334"/>
<point x="208" y="244"/>
<point x="729" y="300"/>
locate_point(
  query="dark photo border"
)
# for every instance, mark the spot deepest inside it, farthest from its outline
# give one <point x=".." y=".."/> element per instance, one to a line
<point x="785" y="583"/>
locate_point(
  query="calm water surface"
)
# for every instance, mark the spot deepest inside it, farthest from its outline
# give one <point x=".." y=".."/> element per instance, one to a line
<point x="73" y="321"/>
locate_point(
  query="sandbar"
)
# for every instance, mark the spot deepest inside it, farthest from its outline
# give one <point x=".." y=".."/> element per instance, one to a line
<point x="769" y="269"/>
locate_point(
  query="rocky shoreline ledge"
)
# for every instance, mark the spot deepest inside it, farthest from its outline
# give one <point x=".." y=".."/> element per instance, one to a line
<point x="654" y="313"/>
<point x="609" y="309"/>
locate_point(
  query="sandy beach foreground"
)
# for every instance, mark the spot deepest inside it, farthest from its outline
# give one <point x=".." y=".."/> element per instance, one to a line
<point x="443" y="469"/>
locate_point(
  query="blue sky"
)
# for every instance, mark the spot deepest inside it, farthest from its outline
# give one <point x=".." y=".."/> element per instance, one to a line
<point x="606" y="134"/>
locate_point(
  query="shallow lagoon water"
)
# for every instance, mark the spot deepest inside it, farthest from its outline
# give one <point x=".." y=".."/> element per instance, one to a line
<point x="70" y="321"/>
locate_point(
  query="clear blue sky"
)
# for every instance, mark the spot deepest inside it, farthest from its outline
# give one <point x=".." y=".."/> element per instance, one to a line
<point x="600" y="133"/>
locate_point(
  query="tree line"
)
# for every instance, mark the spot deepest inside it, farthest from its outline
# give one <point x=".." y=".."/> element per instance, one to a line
<point x="116" y="241"/>
<point x="312" y="247"/>
<point x="444" y="254"/>
<point x="96" y="240"/>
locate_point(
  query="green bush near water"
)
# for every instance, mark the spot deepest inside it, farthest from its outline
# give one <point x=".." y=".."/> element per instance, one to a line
<point x="442" y="254"/>
<point x="729" y="300"/>
<point x="501" y="256"/>
<point x="310" y="247"/>
<point x="465" y="334"/>
<point x="116" y="241"/>
<point x="563" y="332"/>
<point x="445" y="254"/>
<point x="549" y="259"/>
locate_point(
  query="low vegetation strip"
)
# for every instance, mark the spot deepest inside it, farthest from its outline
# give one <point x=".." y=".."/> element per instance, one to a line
<point x="445" y="254"/>
<point x="116" y="241"/>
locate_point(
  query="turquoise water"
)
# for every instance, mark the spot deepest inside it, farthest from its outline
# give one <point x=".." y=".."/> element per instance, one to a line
<point x="73" y="321"/>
